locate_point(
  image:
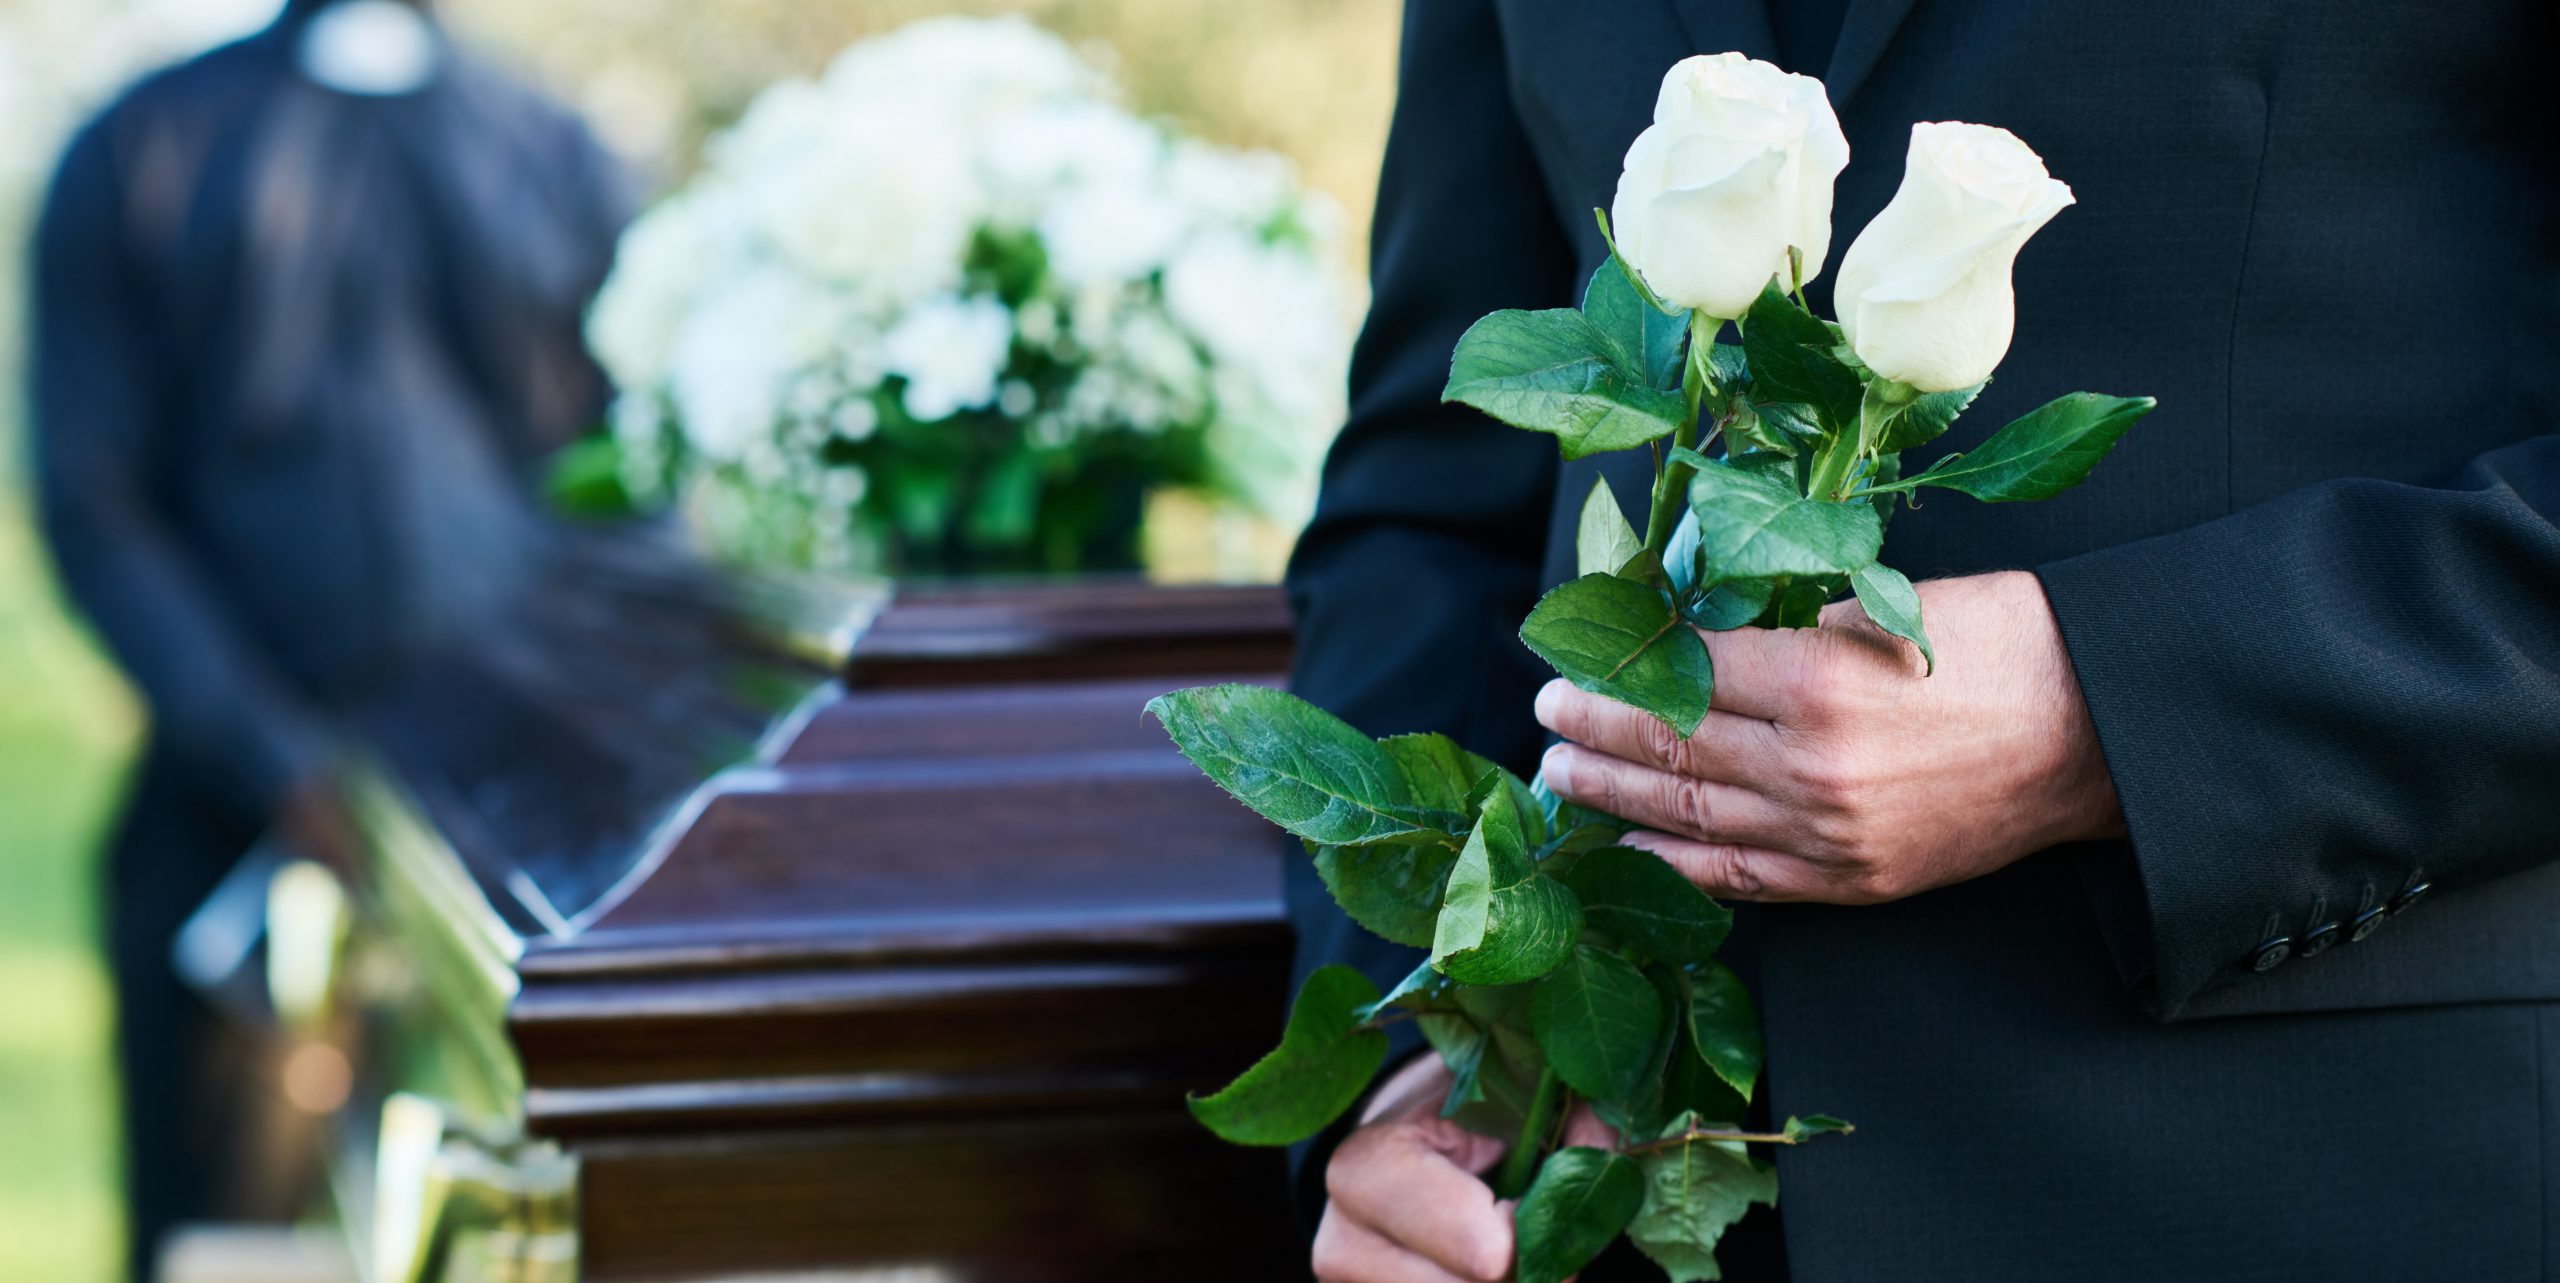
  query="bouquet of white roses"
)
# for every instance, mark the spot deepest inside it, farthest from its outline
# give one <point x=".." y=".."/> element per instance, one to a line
<point x="952" y="308"/>
<point x="1564" y="966"/>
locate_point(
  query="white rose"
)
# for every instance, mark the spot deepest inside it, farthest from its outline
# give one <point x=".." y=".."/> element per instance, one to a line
<point x="1924" y="291"/>
<point x="1736" y="167"/>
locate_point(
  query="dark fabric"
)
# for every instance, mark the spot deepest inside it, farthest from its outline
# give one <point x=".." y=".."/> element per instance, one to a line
<point x="295" y="353"/>
<point x="294" y="350"/>
<point x="2312" y="601"/>
<point x="184" y="1081"/>
<point x="1805" y="32"/>
<point x="1422" y="503"/>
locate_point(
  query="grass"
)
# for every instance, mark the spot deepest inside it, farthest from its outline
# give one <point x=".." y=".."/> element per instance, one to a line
<point x="65" y="728"/>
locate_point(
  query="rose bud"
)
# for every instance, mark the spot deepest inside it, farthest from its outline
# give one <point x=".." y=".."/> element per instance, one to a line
<point x="1736" y="168"/>
<point x="1924" y="291"/>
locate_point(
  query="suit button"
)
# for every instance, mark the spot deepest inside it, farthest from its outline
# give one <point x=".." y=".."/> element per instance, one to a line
<point x="2364" y="924"/>
<point x="2403" y="901"/>
<point x="2317" y="940"/>
<point x="2271" y="954"/>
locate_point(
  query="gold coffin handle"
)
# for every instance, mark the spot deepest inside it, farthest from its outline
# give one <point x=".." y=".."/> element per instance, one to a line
<point x="456" y="1203"/>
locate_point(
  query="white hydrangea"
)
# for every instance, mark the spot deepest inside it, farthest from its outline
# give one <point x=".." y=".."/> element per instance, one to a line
<point x="1107" y="234"/>
<point x="883" y="201"/>
<point x="819" y="285"/>
<point x="735" y="353"/>
<point x="978" y="68"/>
<point x="951" y="351"/>
<point x="657" y="270"/>
<point x="1032" y="154"/>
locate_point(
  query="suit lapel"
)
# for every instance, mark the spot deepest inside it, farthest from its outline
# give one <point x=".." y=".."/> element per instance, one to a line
<point x="1864" y="32"/>
<point x="1714" y="26"/>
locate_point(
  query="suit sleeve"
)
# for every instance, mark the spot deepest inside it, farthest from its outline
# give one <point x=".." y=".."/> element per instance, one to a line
<point x="100" y="424"/>
<point x="2315" y="705"/>
<point x="1424" y="552"/>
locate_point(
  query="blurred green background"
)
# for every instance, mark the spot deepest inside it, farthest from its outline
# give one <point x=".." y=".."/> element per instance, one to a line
<point x="1311" y="79"/>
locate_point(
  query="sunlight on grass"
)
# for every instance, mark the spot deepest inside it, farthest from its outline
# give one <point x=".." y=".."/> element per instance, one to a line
<point x="65" y="725"/>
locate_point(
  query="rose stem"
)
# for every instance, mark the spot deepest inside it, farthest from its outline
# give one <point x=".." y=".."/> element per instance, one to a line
<point x="1520" y="1166"/>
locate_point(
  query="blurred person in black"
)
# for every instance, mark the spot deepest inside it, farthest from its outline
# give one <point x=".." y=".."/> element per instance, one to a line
<point x="306" y="315"/>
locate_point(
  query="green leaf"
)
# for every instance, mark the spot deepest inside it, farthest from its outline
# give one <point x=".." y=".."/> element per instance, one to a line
<point x="1438" y="774"/>
<point x="584" y="479"/>
<point x="1752" y="524"/>
<point x="1731" y="604"/>
<point x="1780" y="428"/>
<point x="1639" y="1114"/>
<point x="1418" y="989"/>
<point x="1553" y="372"/>
<point x="1691" y="1084"/>
<point x="1506" y="1059"/>
<point x="1642" y="338"/>
<point x="1502" y="921"/>
<point x="1604" y="542"/>
<point x="1891" y="601"/>
<point x="1724" y="1027"/>
<point x="1798" y="1129"/>
<point x="1800" y="606"/>
<point x="1683" y="562"/>
<point x="1597" y="1018"/>
<point x="1919" y="421"/>
<point x="1583" y="1198"/>
<point x="1461" y="1043"/>
<point x="1296" y="765"/>
<point x="1731" y="366"/>
<point x="1695" y="1191"/>
<point x="1564" y="818"/>
<point x="2049" y="450"/>
<point x="1644" y="903"/>
<point x="1618" y="638"/>
<point x="1792" y="360"/>
<point x="1392" y="889"/>
<point x="1324" y="1061"/>
<point x="1519" y="819"/>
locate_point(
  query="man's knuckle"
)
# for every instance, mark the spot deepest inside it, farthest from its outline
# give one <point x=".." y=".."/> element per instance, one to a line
<point x="1736" y="871"/>
<point x="1664" y="744"/>
<point x="1694" y="809"/>
<point x="1342" y="1175"/>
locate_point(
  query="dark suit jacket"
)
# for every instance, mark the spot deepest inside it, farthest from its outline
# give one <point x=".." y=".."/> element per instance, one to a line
<point x="2314" y="603"/>
<point x="295" y="351"/>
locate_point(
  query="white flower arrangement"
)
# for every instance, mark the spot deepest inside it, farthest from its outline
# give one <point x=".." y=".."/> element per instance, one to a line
<point x="951" y="307"/>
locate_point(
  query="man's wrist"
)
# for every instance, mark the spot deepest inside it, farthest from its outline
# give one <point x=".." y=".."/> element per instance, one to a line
<point x="2082" y="794"/>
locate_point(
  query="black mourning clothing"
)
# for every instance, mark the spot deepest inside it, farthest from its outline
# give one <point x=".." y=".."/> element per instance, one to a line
<point x="2306" y="1023"/>
<point x="296" y="352"/>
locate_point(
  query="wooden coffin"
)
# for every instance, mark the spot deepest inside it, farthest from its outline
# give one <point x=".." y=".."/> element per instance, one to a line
<point x="916" y="992"/>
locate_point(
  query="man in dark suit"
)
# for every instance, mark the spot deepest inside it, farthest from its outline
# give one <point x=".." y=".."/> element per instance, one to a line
<point x="304" y="322"/>
<point x="2200" y="918"/>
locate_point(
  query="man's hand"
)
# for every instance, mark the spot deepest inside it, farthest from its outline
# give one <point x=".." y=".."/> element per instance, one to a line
<point x="1406" y="1198"/>
<point x="1831" y="770"/>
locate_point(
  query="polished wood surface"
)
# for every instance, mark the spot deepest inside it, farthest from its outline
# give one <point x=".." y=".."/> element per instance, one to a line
<point x="923" y="986"/>
<point x="1070" y="631"/>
